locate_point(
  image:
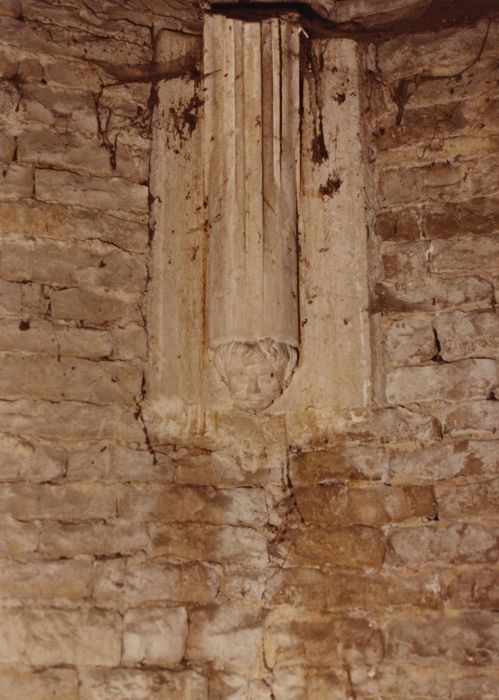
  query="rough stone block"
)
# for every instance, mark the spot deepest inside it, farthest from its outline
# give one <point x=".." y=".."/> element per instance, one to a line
<point x="100" y="461"/>
<point x="349" y="548"/>
<point x="435" y="182"/>
<point x="221" y="543"/>
<point x="65" y="223"/>
<point x="109" y="194"/>
<point x="116" y="684"/>
<point x="96" y="539"/>
<point x="466" y="379"/>
<point x="18" y="538"/>
<point x="46" y="579"/>
<point x="69" y="378"/>
<point x="24" y="460"/>
<point x="409" y="341"/>
<point x="129" y="343"/>
<point x="184" y="504"/>
<point x="331" y="641"/>
<point x="51" y="684"/>
<point x="303" y="588"/>
<point x="342" y="462"/>
<point x="95" y="308"/>
<point x="433" y="294"/>
<point x="81" y="501"/>
<point x="443" y="544"/>
<point x="229" y="686"/>
<point x="473" y="589"/>
<point x="375" y="505"/>
<point x="16" y="181"/>
<point x="295" y="685"/>
<point x="154" y="636"/>
<point x="128" y="583"/>
<point x="229" y="637"/>
<point x="476" y="419"/>
<point x="405" y="261"/>
<point x="471" y="639"/>
<point x="465" y="255"/>
<point x="458" y="502"/>
<point x="472" y="334"/>
<point x="21" y="300"/>
<point x="56" y="637"/>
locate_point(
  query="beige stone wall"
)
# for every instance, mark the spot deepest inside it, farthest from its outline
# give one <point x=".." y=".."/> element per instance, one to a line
<point x="335" y="555"/>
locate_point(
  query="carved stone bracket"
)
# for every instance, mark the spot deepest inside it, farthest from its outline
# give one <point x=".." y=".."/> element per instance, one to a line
<point x="251" y="171"/>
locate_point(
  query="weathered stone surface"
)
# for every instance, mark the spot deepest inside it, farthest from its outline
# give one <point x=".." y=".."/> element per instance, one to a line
<point x="294" y="685"/>
<point x="473" y="589"/>
<point x="330" y="640"/>
<point x="432" y="639"/>
<point x="135" y="582"/>
<point x="409" y="341"/>
<point x="46" y="579"/>
<point x="229" y="686"/>
<point x="72" y="379"/>
<point x="56" y="637"/>
<point x="105" y="461"/>
<point x="337" y="506"/>
<point x="97" y="539"/>
<point x="115" y="684"/>
<point x="66" y="223"/>
<point x="468" y="334"/>
<point x="222" y="543"/>
<point x="53" y="684"/>
<point x="230" y="637"/>
<point x="443" y="544"/>
<point x="342" y="462"/>
<point x="109" y="194"/>
<point x="18" y="538"/>
<point x="465" y="255"/>
<point x="350" y="548"/>
<point x="101" y="308"/>
<point x="184" y="504"/>
<point x="62" y="502"/>
<point x="16" y="181"/>
<point x="154" y="636"/>
<point x="26" y="460"/>
<point x="475" y="419"/>
<point x="469" y="501"/>
<point x="302" y="588"/>
<point x="465" y="379"/>
<point x="21" y="300"/>
<point x="431" y="293"/>
<point x="45" y="338"/>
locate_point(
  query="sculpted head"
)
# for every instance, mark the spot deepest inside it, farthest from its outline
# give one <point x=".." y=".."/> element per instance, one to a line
<point x="256" y="373"/>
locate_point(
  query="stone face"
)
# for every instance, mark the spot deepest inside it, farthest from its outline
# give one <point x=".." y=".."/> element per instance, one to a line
<point x="355" y="547"/>
<point x="154" y="636"/>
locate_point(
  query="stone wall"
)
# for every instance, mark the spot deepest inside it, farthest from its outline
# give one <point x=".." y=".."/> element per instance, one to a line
<point x="358" y="562"/>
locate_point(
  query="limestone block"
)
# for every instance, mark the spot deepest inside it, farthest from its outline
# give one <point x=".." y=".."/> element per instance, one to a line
<point x="351" y="462"/>
<point x="20" y="299"/>
<point x="77" y="501"/>
<point x="476" y="459"/>
<point x="229" y="637"/>
<point x="45" y="338"/>
<point x="58" y="264"/>
<point x="7" y="148"/>
<point x="225" y="686"/>
<point x="103" y="461"/>
<point x="243" y="585"/>
<point x="302" y="588"/>
<point x="433" y="293"/>
<point x="16" y="181"/>
<point x="45" y="580"/>
<point x="461" y="380"/>
<point x="139" y="582"/>
<point x="470" y="639"/>
<point x="66" y="223"/>
<point x="473" y="589"/>
<point x="72" y="110"/>
<point x="95" y="539"/>
<point x="465" y="255"/>
<point x="466" y="502"/>
<point x="55" y="637"/>
<point x="464" y="334"/>
<point x="116" y="684"/>
<point x="358" y="548"/>
<point x="409" y="341"/>
<point x="295" y="685"/>
<point x="444" y="544"/>
<point x="221" y="543"/>
<point x="69" y="378"/>
<point x="51" y="684"/>
<point x="101" y="308"/>
<point x="476" y="419"/>
<point x="24" y="460"/>
<point x="405" y="261"/>
<point x="435" y="182"/>
<point x="18" y="538"/>
<point x="330" y="641"/>
<point x="129" y="343"/>
<point x="424" y="682"/>
<point x="108" y="194"/>
<point x="340" y="506"/>
<point x="154" y="636"/>
<point x="70" y="420"/>
<point x="202" y="504"/>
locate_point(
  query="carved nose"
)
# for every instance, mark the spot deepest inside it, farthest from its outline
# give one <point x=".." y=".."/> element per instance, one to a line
<point x="252" y="386"/>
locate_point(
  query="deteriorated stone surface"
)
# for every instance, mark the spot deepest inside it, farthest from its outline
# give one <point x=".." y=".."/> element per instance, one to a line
<point x="333" y="554"/>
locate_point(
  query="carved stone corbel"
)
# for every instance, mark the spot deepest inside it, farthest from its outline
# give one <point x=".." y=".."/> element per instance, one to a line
<point x="251" y="169"/>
